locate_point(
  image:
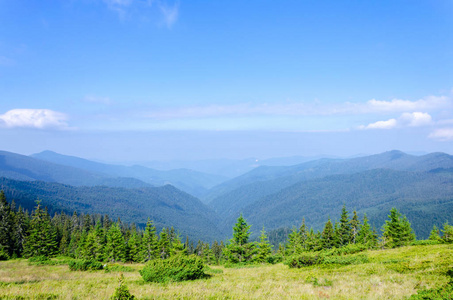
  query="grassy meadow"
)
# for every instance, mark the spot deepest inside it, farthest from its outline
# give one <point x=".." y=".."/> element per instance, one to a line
<point x="389" y="274"/>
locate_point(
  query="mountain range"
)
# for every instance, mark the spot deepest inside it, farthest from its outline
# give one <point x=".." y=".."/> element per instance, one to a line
<point x="275" y="197"/>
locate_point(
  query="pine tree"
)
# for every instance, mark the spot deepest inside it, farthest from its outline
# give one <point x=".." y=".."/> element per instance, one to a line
<point x="327" y="237"/>
<point x="20" y="229"/>
<point x="303" y="232"/>
<point x="134" y="244"/>
<point x="239" y="249"/>
<point x="115" y="249"/>
<point x="355" y="228"/>
<point x="6" y="225"/>
<point x="397" y="231"/>
<point x="447" y="235"/>
<point x="217" y="251"/>
<point x="149" y="242"/>
<point x="264" y="248"/>
<point x="435" y="234"/>
<point x="345" y="228"/>
<point x="163" y="246"/>
<point x="41" y="239"/>
<point x="365" y="233"/>
<point x="294" y="245"/>
<point x="94" y="244"/>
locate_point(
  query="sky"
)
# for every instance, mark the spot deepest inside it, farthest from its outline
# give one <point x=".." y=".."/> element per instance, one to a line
<point x="143" y="80"/>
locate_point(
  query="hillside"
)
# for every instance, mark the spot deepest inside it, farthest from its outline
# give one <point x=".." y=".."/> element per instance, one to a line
<point x="21" y="167"/>
<point x="166" y="206"/>
<point x="425" y="198"/>
<point x="231" y="197"/>
<point x="192" y="182"/>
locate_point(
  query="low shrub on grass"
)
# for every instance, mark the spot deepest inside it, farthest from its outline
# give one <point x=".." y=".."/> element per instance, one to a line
<point x="176" y="268"/>
<point x="85" y="265"/>
<point x="443" y="293"/>
<point x="304" y="260"/>
<point x="346" y="260"/>
<point x="425" y="243"/>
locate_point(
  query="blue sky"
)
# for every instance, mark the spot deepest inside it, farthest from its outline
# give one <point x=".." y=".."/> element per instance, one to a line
<point x="148" y="79"/>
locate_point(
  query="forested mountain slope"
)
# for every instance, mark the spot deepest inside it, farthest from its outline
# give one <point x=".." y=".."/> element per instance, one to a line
<point x="166" y="205"/>
<point x="426" y="198"/>
<point x="233" y="196"/>
<point x="192" y="182"/>
<point x="21" y="167"/>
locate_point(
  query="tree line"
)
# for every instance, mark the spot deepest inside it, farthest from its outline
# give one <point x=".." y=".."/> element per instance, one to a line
<point x="97" y="237"/>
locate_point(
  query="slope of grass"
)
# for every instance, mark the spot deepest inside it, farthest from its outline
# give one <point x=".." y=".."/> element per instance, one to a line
<point x="389" y="274"/>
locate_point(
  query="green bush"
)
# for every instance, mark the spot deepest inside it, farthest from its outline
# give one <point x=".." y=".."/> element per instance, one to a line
<point x="38" y="259"/>
<point x="3" y="254"/>
<point x="443" y="293"/>
<point x="176" y="268"/>
<point x="346" y="260"/>
<point x="304" y="260"/>
<point x="85" y="265"/>
<point x="425" y="243"/>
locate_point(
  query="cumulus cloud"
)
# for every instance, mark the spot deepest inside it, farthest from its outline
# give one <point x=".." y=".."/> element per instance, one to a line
<point x="442" y="134"/>
<point x="34" y="118"/>
<point x="414" y="119"/>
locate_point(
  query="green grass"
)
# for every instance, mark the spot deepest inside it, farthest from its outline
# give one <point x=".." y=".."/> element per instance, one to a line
<point x="388" y="274"/>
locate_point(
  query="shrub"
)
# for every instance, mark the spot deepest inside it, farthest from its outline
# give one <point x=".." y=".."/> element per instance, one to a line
<point x="443" y="293"/>
<point x="85" y="265"/>
<point x="38" y="259"/>
<point x="122" y="292"/>
<point x="425" y="243"/>
<point x="3" y="254"/>
<point x="346" y="260"/>
<point x="176" y="268"/>
<point x="304" y="260"/>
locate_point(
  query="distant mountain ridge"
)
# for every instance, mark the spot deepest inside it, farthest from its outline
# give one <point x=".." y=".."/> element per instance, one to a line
<point x="247" y="192"/>
<point x="192" y="182"/>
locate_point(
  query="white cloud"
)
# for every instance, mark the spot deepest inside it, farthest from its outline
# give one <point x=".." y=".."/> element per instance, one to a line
<point x="442" y="134"/>
<point x="170" y="13"/>
<point x="398" y="105"/>
<point x="34" y="118"/>
<point x="389" y="124"/>
<point x="415" y="119"/>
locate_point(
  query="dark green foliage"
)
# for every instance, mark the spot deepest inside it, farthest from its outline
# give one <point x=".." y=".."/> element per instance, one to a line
<point x="6" y="226"/>
<point x="41" y="239"/>
<point x="166" y="205"/>
<point x="264" y="248"/>
<point x="355" y="228"/>
<point x="344" y="230"/>
<point x="435" y="234"/>
<point x="122" y="292"/>
<point x="447" y="233"/>
<point x="85" y="265"/>
<point x="304" y="260"/>
<point x="328" y="236"/>
<point x="177" y="268"/>
<point x="149" y="242"/>
<point x="333" y="256"/>
<point x="239" y="249"/>
<point x="115" y="249"/>
<point x="397" y="231"/>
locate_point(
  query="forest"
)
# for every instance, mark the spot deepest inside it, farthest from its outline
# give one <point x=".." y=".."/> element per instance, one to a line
<point x="92" y="242"/>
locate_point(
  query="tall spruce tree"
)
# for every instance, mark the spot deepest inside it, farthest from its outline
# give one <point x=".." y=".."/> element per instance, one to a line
<point x="149" y="242"/>
<point x="328" y="237"/>
<point x="164" y="245"/>
<point x="41" y="239"/>
<point x="264" y="248"/>
<point x="240" y="249"/>
<point x="115" y="249"/>
<point x="6" y="225"/>
<point x="344" y="229"/>
<point x="397" y="231"/>
<point x="355" y="228"/>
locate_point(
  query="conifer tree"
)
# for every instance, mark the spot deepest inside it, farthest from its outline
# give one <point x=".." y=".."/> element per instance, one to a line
<point x="327" y="237"/>
<point x="397" y="231"/>
<point x="149" y="242"/>
<point x="355" y="228"/>
<point x="94" y="244"/>
<point x="208" y="254"/>
<point x="217" y="251"/>
<point x="303" y="232"/>
<point x="294" y="245"/>
<point x="344" y="229"/>
<point x="41" y="239"/>
<point x="365" y="234"/>
<point x="447" y="233"/>
<point x="134" y="244"/>
<point x="6" y="225"/>
<point x="435" y="234"/>
<point x="239" y="249"/>
<point x="264" y="248"/>
<point x="163" y="245"/>
<point x="20" y="228"/>
<point x="115" y="249"/>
